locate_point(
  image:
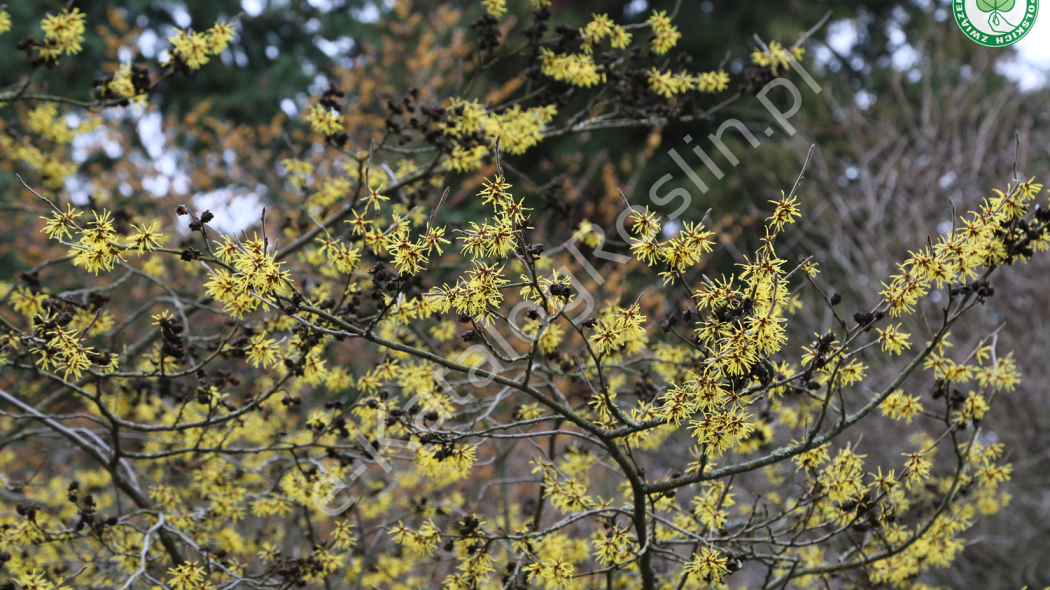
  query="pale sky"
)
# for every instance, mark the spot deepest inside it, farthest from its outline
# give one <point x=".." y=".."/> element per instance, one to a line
<point x="1032" y="68"/>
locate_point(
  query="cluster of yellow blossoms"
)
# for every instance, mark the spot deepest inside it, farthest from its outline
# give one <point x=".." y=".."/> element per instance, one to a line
<point x="957" y="255"/>
<point x="63" y="33"/>
<point x="517" y="129"/>
<point x="54" y="132"/>
<point x="197" y="48"/>
<point x="776" y="56"/>
<point x="97" y="248"/>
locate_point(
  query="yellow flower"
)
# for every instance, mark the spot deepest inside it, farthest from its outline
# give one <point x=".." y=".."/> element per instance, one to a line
<point x="606" y="339"/>
<point x="578" y="70"/>
<point x="218" y="37"/>
<point x="973" y="407"/>
<point x="408" y="256"/>
<point x="298" y="171"/>
<point x="708" y="566"/>
<point x="619" y="38"/>
<point x="28" y="303"/>
<point x="1002" y="375"/>
<point x="433" y="238"/>
<point x="262" y="351"/>
<point x="422" y="543"/>
<point x="100" y="231"/>
<point x="96" y="258"/>
<point x="495" y="7"/>
<point x="60" y="224"/>
<point x="893" y="339"/>
<point x="786" y="212"/>
<point x="227" y="250"/>
<point x="776" y="57"/>
<point x="916" y="468"/>
<point x="373" y="199"/>
<point x="147" y="239"/>
<point x="901" y="406"/>
<point x="31" y="580"/>
<point x="191" y="47"/>
<point x="645" y="224"/>
<point x="64" y="31"/>
<point x="666" y="34"/>
<point x="663" y="83"/>
<point x="324" y="121"/>
<point x="269" y="552"/>
<point x="595" y="31"/>
<point x="713" y="81"/>
<point x="186" y="576"/>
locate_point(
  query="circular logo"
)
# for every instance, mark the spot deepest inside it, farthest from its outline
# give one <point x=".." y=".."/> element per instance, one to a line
<point x="995" y="23"/>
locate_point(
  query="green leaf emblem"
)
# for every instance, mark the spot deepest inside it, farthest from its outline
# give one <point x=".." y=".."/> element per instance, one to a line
<point x="995" y="5"/>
